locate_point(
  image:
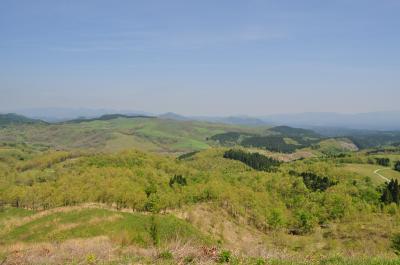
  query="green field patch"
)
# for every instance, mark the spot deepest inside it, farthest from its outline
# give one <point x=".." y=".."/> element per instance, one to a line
<point x="10" y="213"/>
<point x="366" y="170"/>
<point x="191" y="144"/>
<point x="121" y="227"/>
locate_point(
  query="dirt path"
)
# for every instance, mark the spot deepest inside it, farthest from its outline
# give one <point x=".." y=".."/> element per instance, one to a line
<point x="376" y="172"/>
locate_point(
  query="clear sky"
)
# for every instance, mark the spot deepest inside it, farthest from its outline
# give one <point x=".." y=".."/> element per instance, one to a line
<point x="205" y="57"/>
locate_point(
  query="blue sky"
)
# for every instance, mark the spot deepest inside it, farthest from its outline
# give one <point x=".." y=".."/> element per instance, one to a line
<point x="203" y="57"/>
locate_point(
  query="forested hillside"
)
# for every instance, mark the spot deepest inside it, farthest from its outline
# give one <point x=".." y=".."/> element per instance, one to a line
<point x="204" y="187"/>
<point x="319" y="204"/>
<point x="11" y="118"/>
<point x="281" y="139"/>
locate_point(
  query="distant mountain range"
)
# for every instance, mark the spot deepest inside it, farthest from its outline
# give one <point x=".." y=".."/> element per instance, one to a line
<point x="11" y="118"/>
<point x="323" y="122"/>
<point x="362" y="138"/>
<point x="65" y="114"/>
<point x="389" y="120"/>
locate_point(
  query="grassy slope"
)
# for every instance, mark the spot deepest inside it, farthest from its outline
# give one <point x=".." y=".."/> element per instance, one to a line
<point x="366" y="170"/>
<point x="157" y="135"/>
<point x="75" y="222"/>
<point x="332" y="146"/>
<point x="59" y="226"/>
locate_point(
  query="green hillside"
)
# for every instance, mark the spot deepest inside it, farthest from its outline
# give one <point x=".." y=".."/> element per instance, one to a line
<point x="282" y="139"/>
<point x="315" y="206"/>
<point x="63" y="224"/>
<point x="147" y="190"/>
<point x="114" y="133"/>
<point x="11" y="118"/>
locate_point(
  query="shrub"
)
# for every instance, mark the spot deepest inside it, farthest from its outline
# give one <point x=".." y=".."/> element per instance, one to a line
<point x="151" y="189"/>
<point x="304" y="222"/>
<point x="275" y="219"/>
<point x="396" y="244"/>
<point x="260" y="261"/>
<point x="315" y="182"/>
<point x="154" y="231"/>
<point x="383" y="161"/>
<point x="91" y="259"/>
<point x="179" y="179"/>
<point x="225" y="256"/>
<point x="397" y="166"/>
<point x="152" y="203"/>
<point x="165" y="255"/>
<point x="391" y="192"/>
<point x="189" y="259"/>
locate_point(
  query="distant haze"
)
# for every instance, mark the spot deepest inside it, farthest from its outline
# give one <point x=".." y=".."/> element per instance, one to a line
<point x="208" y="58"/>
<point x="388" y="120"/>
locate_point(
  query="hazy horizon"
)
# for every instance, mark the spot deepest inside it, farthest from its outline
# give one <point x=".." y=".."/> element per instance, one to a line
<point x="49" y="110"/>
<point x="203" y="58"/>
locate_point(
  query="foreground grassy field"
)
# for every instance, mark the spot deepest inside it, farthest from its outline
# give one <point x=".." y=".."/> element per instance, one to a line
<point x="69" y="223"/>
<point x="98" y="234"/>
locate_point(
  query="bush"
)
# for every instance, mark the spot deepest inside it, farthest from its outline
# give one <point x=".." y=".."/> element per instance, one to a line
<point x="152" y="203"/>
<point x="260" y="261"/>
<point x="154" y="231"/>
<point x="179" y="179"/>
<point x="275" y="219"/>
<point x="304" y="222"/>
<point x="391" y="193"/>
<point x="396" y="244"/>
<point x="165" y="255"/>
<point x="397" y="166"/>
<point x="316" y="183"/>
<point x="225" y="256"/>
<point x="383" y="161"/>
<point x="189" y="259"/>
<point x="91" y="258"/>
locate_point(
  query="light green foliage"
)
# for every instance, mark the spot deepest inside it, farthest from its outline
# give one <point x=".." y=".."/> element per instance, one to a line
<point x="143" y="187"/>
<point x="225" y="256"/>
<point x="275" y="219"/>
<point x="304" y="222"/>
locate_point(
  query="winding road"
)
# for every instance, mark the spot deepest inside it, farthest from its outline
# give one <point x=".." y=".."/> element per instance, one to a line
<point x="376" y="172"/>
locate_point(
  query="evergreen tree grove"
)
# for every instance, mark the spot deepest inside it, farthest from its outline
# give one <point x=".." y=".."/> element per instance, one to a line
<point x="391" y="192"/>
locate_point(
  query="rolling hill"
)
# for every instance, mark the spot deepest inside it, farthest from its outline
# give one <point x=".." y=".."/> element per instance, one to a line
<point x="15" y="119"/>
<point x="159" y="190"/>
<point x="118" y="132"/>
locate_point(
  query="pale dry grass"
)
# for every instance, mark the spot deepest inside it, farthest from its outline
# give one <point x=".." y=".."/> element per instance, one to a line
<point x="75" y="250"/>
<point x="18" y="221"/>
<point x="111" y="218"/>
<point x="235" y="234"/>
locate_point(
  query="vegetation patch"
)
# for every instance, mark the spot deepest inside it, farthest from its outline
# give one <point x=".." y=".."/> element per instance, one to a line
<point x="128" y="228"/>
<point x="315" y="182"/>
<point x="391" y="192"/>
<point x="254" y="160"/>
